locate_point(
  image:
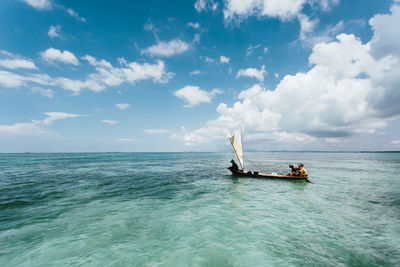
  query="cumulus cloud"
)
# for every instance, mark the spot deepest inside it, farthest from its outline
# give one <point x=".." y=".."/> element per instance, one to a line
<point x="285" y="10"/>
<point x="350" y="89"/>
<point x="54" y="31"/>
<point x="253" y="73"/>
<point x="39" y="4"/>
<point x="224" y="59"/>
<point x="53" y="55"/>
<point x="194" y="96"/>
<point x="35" y="126"/>
<point x="155" y="131"/>
<point x="122" y="106"/>
<point x="167" y="49"/>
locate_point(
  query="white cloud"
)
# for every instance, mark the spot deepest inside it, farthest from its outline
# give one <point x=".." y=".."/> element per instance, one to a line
<point x="195" y="72"/>
<point x="202" y="5"/>
<point x="9" y="79"/>
<point x="53" y="116"/>
<point x="311" y="38"/>
<point x="324" y="4"/>
<point x="157" y="72"/>
<point x="224" y="59"/>
<point x="17" y="64"/>
<point x="306" y="26"/>
<point x="35" y="126"/>
<point x="155" y="131"/>
<point x="167" y="49"/>
<point x="194" y="96"/>
<point x="47" y="4"/>
<point x="251" y="49"/>
<point x="122" y="106"/>
<point x="105" y="75"/>
<point x="39" y="4"/>
<point x="209" y="60"/>
<point x="109" y="122"/>
<point x="386" y="39"/>
<point x="253" y="73"/>
<point x="52" y="55"/>
<point x="54" y="31"/>
<point x="283" y="9"/>
<point x="193" y="25"/>
<point x="351" y="89"/>
<point x="74" y="14"/>
<point x="395" y="142"/>
<point x="43" y="92"/>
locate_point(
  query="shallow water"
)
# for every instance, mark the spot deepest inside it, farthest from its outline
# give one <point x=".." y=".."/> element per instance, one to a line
<point x="185" y="209"/>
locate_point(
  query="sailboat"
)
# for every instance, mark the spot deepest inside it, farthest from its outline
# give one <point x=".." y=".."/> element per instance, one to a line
<point x="236" y="142"/>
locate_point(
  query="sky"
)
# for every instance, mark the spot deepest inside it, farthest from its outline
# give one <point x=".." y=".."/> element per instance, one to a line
<point x="160" y="76"/>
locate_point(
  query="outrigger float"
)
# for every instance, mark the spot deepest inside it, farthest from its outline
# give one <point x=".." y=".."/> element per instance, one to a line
<point x="236" y="141"/>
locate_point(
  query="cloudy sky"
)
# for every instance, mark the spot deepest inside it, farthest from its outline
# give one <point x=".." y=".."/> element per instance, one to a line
<point x="182" y="75"/>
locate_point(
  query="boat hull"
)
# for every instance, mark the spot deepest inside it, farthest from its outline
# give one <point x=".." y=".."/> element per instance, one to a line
<point x="253" y="174"/>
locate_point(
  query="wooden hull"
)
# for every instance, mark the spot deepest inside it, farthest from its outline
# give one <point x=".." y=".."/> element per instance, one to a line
<point x="246" y="173"/>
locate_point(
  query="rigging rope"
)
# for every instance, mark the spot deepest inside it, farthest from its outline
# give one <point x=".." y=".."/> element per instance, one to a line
<point x="255" y="164"/>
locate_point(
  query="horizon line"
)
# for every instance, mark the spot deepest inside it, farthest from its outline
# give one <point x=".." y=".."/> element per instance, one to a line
<point x="268" y="151"/>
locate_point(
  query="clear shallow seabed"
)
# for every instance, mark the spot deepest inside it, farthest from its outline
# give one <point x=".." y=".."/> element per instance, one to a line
<point x="185" y="209"/>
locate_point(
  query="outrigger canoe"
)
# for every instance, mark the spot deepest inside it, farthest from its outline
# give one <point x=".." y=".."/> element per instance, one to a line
<point x="236" y="142"/>
<point x="254" y="174"/>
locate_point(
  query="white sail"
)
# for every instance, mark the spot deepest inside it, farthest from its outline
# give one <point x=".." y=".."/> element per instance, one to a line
<point x="236" y="141"/>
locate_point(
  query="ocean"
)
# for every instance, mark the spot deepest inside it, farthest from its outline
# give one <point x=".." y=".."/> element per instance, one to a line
<point x="185" y="209"/>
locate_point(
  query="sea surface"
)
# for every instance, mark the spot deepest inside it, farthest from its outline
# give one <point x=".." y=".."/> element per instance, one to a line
<point x="185" y="209"/>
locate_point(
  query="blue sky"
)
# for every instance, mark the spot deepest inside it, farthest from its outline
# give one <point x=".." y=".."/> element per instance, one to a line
<point x="181" y="75"/>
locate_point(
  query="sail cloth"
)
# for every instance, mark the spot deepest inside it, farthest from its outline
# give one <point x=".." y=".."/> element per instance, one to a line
<point x="236" y="141"/>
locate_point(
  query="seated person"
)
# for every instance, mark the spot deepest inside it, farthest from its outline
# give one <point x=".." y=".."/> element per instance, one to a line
<point x="234" y="166"/>
<point x="294" y="171"/>
<point x="301" y="170"/>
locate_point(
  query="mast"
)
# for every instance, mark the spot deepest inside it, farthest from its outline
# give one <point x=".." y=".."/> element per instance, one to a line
<point x="236" y="142"/>
<point x="242" y="148"/>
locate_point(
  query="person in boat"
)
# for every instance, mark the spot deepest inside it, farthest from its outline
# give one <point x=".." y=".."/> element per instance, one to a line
<point x="234" y="165"/>
<point x="294" y="171"/>
<point x="301" y="170"/>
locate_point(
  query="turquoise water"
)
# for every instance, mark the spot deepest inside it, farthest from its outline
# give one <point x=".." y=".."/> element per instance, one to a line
<point x="185" y="209"/>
